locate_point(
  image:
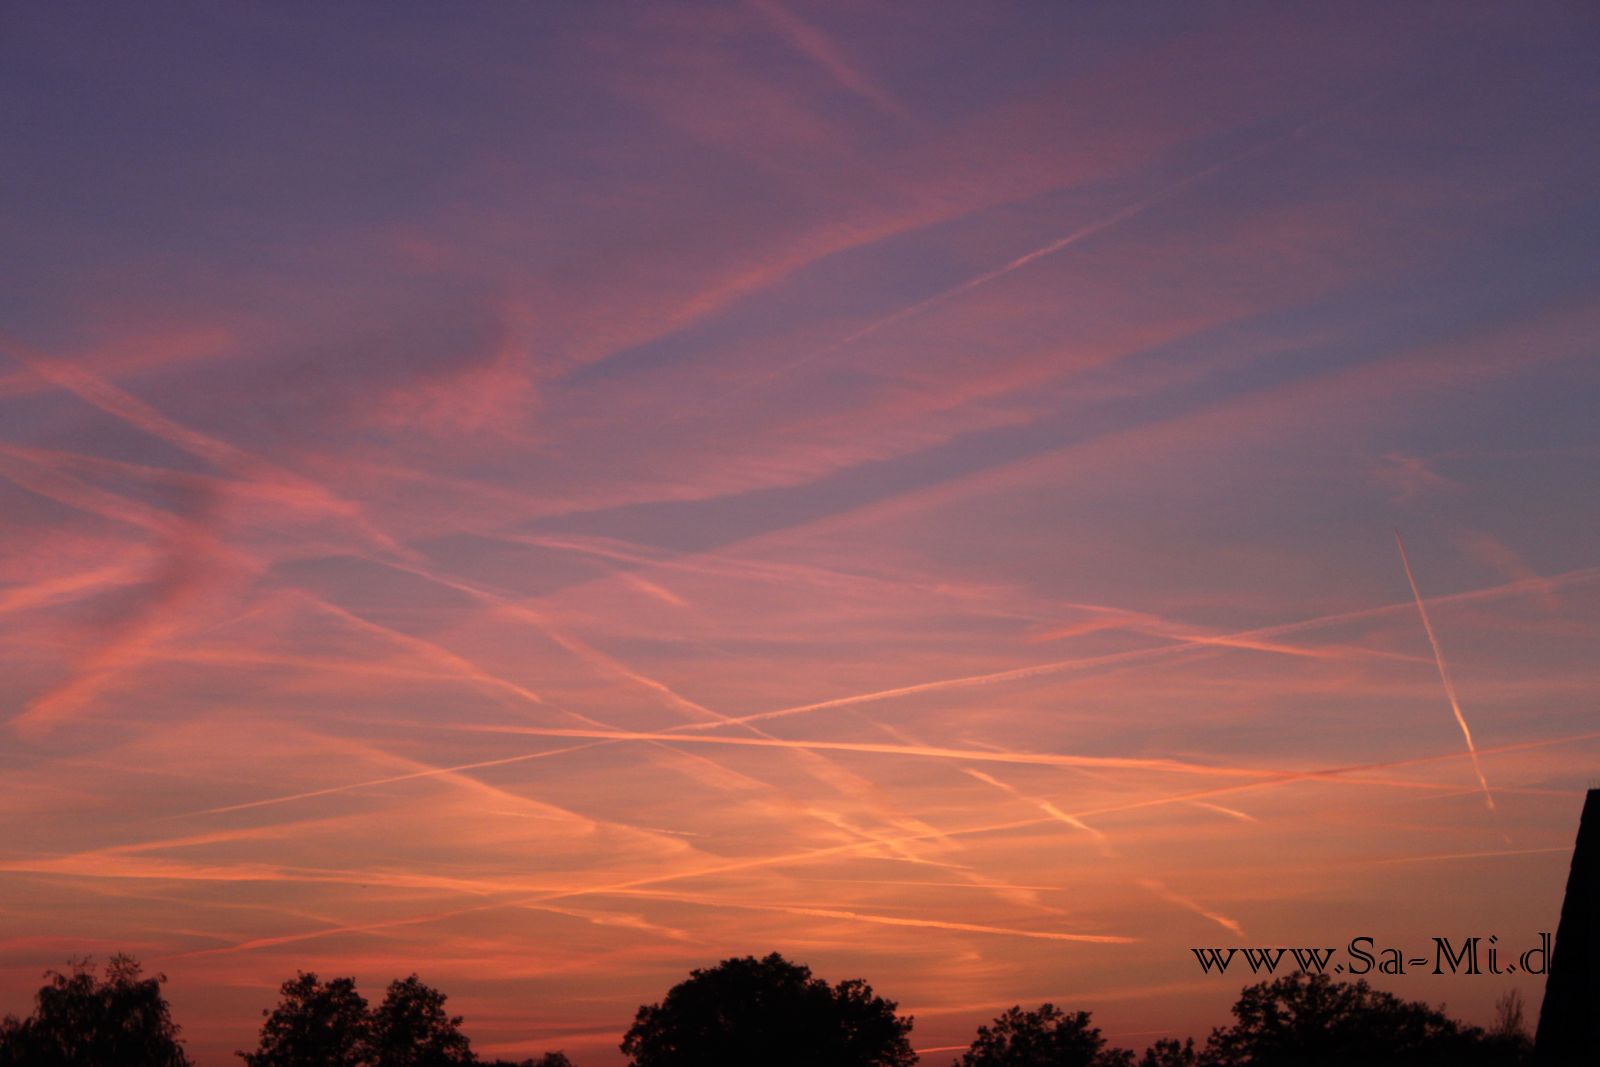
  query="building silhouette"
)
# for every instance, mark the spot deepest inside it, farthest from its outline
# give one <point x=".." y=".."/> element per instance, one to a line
<point x="1569" y="1022"/>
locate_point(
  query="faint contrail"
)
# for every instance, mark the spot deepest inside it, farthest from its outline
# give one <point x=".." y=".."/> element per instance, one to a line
<point x="1065" y="241"/>
<point x="1046" y="759"/>
<point x="581" y="649"/>
<point x="891" y="920"/>
<point x="1476" y="855"/>
<point x="1044" y="806"/>
<point x="814" y="854"/>
<point x="247" y="466"/>
<point x="1444" y="672"/>
<point x="1330" y="774"/>
<point x="1231" y="812"/>
<point x="1181" y="646"/>
<point x="817" y="765"/>
<point x="432" y="772"/>
<point x="1161" y="890"/>
<point x="1082" y="233"/>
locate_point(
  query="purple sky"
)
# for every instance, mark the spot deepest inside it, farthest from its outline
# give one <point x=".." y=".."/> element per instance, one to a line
<point x="552" y="495"/>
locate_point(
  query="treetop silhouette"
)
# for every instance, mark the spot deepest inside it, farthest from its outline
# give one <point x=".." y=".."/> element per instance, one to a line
<point x="328" y="1024"/>
<point x="1310" y="1021"/>
<point x="770" y="1012"/>
<point x="81" y="1020"/>
<point x="745" y="1011"/>
<point x="1045" y="1037"/>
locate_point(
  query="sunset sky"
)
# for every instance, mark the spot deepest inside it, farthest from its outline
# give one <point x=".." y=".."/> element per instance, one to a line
<point x="552" y="495"/>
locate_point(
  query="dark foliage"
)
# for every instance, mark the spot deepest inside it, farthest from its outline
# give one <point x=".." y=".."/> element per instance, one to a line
<point x="1168" y="1053"/>
<point x="769" y="1012"/>
<point x="1045" y="1037"/>
<point x="1312" y="1021"/>
<point x="1508" y="1039"/>
<point x="748" y="1011"/>
<point x="411" y="1029"/>
<point x="326" y="1024"/>
<point x="81" y="1021"/>
<point x="319" y="1024"/>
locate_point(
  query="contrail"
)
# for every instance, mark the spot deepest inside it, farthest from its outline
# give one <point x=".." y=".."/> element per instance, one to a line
<point x="1231" y="812"/>
<point x="1180" y="647"/>
<point x="1082" y="233"/>
<point x="1476" y="855"/>
<point x="1065" y="241"/>
<point x="432" y="772"/>
<point x="1444" y="672"/>
<point x="817" y="765"/>
<point x="120" y="404"/>
<point x="1046" y="759"/>
<point x="1161" y="890"/>
<point x="813" y="854"/>
<point x="1044" y="806"/>
<point x="1329" y="774"/>
<point x="581" y="649"/>
<point x="890" y="920"/>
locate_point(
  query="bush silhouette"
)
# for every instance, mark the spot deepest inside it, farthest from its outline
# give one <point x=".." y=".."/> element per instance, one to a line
<point x="1044" y="1037"/>
<point x="80" y="1020"/>
<point x="770" y="1012"/>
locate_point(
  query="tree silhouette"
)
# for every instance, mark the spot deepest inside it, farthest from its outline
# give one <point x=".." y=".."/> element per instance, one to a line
<point x="411" y="1029"/>
<point x="1312" y="1021"/>
<point x="316" y="1024"/>
<point x="769" y="1012"/>
<point x="1168" y="1053"/>
<point x="1045" y="1037"/>
<point x="328" y="1024"/>
<point x="81" y="1021"/>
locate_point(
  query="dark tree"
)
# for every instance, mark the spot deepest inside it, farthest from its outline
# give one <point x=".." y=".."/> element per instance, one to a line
<point x="1168" y="1053"/>
<point x="549" y="1059"/>
<point x="1312" y="1021"/>
<point x="316" y="1024"/>
<point x="319" y="1024"/>
<point x="411" y="1029"/>
<point x="1047" y="1037"/>
<point x="769" y="1012"/>
<point x="81" y="1021"/>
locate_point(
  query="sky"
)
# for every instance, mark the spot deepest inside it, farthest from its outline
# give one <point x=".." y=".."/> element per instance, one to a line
<point x="984" y="498"/>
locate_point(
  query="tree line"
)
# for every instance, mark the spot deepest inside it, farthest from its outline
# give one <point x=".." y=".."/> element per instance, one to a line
<point x="749" y="1012"/>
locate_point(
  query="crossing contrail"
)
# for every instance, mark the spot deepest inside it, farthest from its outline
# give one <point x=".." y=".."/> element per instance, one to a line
<point x="1444" y="672"/>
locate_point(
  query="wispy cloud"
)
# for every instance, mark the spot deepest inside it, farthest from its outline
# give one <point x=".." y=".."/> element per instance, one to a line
<point x="826" y="54"/>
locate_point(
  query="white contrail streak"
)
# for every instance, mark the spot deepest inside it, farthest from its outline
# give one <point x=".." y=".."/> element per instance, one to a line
<point x="1082" y="233"/>
<point x="1161" y="890"/>
<point x="1444" y="672"/>
<point x="1045" y="759"/>
<point x="1181" y="646"/>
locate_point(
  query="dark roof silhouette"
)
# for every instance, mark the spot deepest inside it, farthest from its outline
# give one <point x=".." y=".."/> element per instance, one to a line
<point x="1569" y="1022"/>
